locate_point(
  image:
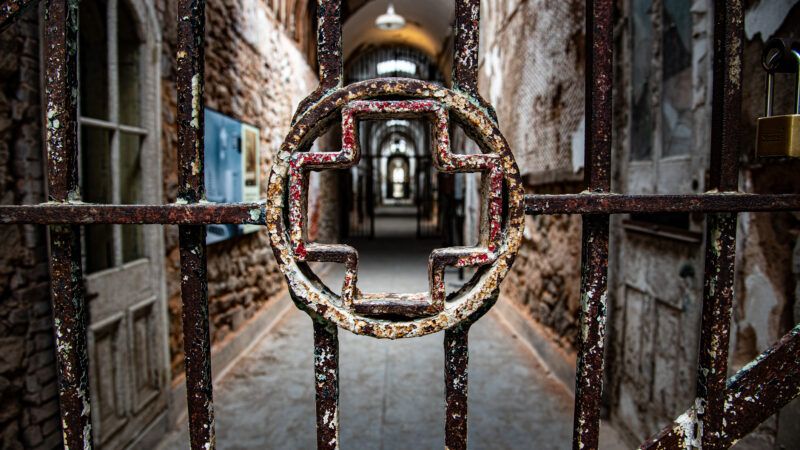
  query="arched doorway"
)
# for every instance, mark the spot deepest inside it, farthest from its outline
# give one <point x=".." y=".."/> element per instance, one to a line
<point x="367" y="189"/>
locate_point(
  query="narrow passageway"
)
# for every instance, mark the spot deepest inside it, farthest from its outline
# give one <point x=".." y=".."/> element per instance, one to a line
<point x="392" y="392"/>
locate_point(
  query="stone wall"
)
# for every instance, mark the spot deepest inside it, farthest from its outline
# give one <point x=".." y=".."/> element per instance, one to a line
<point x="532" y="56"/>
<point x="29" y="406"/>
<point x="532" y="73"/>
<point x="256" y="72"/>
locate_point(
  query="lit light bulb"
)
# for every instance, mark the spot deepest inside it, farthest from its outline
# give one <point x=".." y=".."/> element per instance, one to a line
<point x="390" y="20"/>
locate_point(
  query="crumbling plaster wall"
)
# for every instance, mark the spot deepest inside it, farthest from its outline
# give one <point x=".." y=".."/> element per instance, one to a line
<point x="766" y="281"/>
<point x="531" y="71"/>
<point x="526" y="47"/>
<point x="257" y="73"/>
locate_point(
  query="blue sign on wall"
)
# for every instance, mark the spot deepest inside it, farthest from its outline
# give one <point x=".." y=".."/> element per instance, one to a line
<point x="232" y="168"/>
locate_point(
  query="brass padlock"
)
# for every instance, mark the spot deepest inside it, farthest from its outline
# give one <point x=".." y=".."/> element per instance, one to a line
<point x="779" y="136"/>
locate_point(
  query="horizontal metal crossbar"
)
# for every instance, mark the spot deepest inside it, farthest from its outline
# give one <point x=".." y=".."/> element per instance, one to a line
<point x="590" y="203"/>
<point x="254" y="213"/>
<point x="169" y="214"/>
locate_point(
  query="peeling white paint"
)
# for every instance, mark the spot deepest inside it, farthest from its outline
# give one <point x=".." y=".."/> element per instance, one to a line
<point x="766" y="17"/>
<point x="761" y="308"/>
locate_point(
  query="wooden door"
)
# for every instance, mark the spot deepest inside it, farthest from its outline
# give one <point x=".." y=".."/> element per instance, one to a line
<point x="123" y="264"/>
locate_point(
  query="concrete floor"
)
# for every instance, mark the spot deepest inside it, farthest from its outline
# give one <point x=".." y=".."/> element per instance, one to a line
<point x="392" y="392"/>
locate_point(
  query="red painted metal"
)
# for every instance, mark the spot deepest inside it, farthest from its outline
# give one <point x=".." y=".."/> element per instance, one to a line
<point x="725" y="409"/>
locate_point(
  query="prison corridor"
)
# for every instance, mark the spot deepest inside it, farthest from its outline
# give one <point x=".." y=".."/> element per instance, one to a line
<point x="391" y="392"/>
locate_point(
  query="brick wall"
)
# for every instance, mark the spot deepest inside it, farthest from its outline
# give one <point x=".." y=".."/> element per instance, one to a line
<point x="29" y="406"/>
<point x="256" y="72"/>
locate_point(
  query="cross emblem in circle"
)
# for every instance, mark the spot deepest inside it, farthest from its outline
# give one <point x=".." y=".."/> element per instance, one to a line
<point x="409" y="305"/>
<point x="396" y="315"/>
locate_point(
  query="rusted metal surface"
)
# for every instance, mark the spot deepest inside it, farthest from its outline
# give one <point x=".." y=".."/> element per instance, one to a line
<point x="594" y="254"/>
<point x="590" y="203"/>
<point x="395" y="315"/>
<point x="407" y="305"/>
<point x="720" y="228"/>
<point x="496" y="249"/>
<point x="456" y="359"/>
<point x="329" y="53"/>
<point x="177" y="214"/>
<point x="326" y="380"/>
<point x="190" y="82"/>
<point x="192" y="238"/>
<point x="752" y="395"/>
<point x="465" y="58"/>
<point x="66" y="278"/>
<point x="11" y="9"/>
<point x="724" y="411"/>
<point x="255" y="213"/>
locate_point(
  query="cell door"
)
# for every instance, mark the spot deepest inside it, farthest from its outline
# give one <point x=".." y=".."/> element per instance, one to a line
<point x="658" y="284"/>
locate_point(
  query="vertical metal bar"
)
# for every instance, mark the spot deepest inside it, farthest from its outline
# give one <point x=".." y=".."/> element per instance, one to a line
<point x="720" y="228"/>
<point x="66" y="278"/>
<point x="456" y="359"/>
<point x="456" y="351"/>
<point x="326" y="378"/>
<point x="465" y="60"/>
<point x="194" y="287"/>
<point x="594" y="254"/>
<point x="329" y="43"/>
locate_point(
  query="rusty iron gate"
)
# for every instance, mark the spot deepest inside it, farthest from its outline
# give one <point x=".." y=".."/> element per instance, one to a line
<point x="725" y="408"/>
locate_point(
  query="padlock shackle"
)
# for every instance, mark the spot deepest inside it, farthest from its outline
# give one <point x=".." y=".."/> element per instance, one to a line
<point x="777" y="56"/>
<point x="794" y="54"/>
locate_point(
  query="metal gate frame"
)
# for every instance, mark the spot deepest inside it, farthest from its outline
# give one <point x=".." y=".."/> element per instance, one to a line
<point x="725" y="408"/>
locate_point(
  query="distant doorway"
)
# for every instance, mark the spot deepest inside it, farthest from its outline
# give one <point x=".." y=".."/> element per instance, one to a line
<point x="395" y="186"/>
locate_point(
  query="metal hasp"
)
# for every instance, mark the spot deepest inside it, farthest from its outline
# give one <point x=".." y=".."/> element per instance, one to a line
<point x="395" y="315"/>
<point x="725" y="409"/>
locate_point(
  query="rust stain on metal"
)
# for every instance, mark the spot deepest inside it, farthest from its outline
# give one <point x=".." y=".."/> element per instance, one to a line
<point x="178" y="214"/>
<point x="594" y="255"/>
<point x="326" y="380"/>
<point x="456" y="359"/>
<point x="52" y="213"/>
<point x="496" y="249"/>
<point x="724" y="410"/>
<point x="192" y="238"/>
<point x="598" y="203"/>
<point x="720" y="228"/>
<point x="66" y="278"/>
<point x="408" y="305"/>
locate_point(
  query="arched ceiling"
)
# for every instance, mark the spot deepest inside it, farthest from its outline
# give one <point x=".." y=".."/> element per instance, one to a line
<point x="428" y="25"/>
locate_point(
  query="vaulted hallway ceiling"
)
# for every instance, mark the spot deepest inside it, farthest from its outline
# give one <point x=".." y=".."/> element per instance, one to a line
<point x="428" y="25"/>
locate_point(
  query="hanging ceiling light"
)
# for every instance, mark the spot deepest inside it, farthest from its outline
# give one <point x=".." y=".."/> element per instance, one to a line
<point x="390" y="20"/>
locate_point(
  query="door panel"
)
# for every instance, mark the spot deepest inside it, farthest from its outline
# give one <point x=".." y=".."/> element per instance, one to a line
<point x="127" y="347"/>
<point x="143" y="350"/>
<point x="108" y="384"/>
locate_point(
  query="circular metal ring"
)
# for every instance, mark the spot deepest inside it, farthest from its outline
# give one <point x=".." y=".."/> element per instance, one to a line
<point x="463" y="306"/>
